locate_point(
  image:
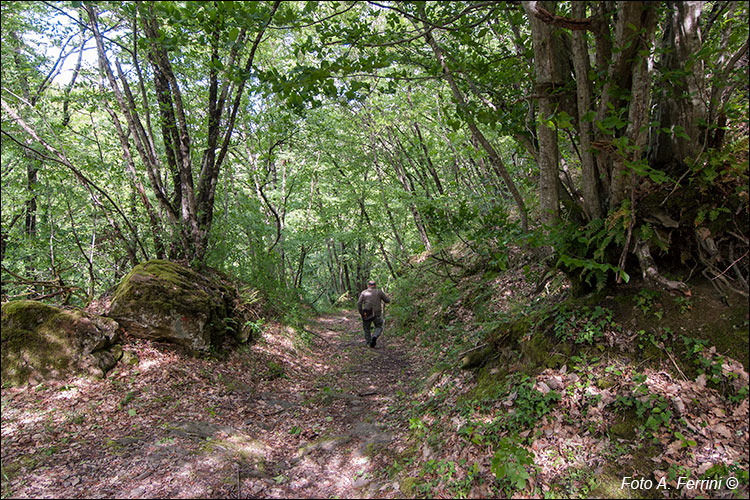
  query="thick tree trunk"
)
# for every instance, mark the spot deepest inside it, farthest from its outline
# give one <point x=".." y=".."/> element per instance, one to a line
<point x="636" y="131"/>
<point x="681" y="102"/>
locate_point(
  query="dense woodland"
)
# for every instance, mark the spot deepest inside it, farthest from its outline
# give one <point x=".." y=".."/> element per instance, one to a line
<point x="304" y="148"/>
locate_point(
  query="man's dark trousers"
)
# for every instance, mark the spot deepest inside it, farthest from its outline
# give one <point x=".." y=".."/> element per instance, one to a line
<point x="367" y="324"/>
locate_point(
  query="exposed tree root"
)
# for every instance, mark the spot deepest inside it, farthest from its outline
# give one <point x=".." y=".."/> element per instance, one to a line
<point x="651" y="271"/>
<point x="710" y="256"/>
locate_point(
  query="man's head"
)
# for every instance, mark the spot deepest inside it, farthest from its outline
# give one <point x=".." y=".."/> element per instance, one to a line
<point x="371" y="284"/>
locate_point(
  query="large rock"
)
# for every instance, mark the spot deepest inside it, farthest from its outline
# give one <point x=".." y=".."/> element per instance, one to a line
<point x="165" y="301"/>
<point x="41" y="342"/>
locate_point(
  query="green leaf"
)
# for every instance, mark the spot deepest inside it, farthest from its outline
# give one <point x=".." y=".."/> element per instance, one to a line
<point x="484" y="117"/>
<point x="131" y="412"/>
<point x="233" y="33"/>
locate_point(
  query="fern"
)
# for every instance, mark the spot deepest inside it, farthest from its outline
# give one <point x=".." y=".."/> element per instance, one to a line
<point x="588" y="253"/>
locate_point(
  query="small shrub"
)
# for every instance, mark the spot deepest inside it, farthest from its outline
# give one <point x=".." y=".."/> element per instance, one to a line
<point x="583" y="325"/>
<point x="509" y="464"/>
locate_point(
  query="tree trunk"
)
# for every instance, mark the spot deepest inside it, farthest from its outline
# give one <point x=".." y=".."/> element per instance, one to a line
<point x="547" y="83"/>
<point x="409" y="188"/>
<point x="590" y="179"/>
<point x="190" y="209"/>
<point x="638" y="68"/>
<point x="680" y="105"/>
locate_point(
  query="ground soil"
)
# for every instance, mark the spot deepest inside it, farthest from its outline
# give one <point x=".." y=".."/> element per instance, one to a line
<point x="276" y="420"/>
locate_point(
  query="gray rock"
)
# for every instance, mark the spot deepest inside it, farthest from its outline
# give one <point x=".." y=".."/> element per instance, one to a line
<point x="200" y="430"/>
<point x="364" y="430"/>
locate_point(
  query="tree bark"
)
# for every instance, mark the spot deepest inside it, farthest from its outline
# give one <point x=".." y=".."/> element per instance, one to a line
<point x="581" y="64"/>
<point x="680" y="44"/>
<point x="636" y="131"/>
<point x="547" y="82"/>
<point x="191" y="208"/>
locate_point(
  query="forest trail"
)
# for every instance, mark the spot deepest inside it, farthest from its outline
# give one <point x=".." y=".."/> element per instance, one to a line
<point x="278" y="418"/>
<point x="335" y="441"/>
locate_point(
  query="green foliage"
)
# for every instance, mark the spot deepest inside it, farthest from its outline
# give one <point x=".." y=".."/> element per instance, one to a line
<point x="684" y="303"/>
<point x="326" y="176"/>
<point x="645" y="299"/>
<point x="676" y="471"/>
<point x="509" y="464"/>
<point x="582" y="324"/>
<point x="418" y="426"/>
<point x="586" y="254"/>
<point x="654" y="408"/>
<point x="529" y="406"/>
<point x="685" y="441"/>
<point x="579" y="482"/>
<point x="435" y="474"/>
<point x="708" y="362"/>
<point x="255" y="327"/>
<point x="657" y="338"/>
<point x="705" y="361"/>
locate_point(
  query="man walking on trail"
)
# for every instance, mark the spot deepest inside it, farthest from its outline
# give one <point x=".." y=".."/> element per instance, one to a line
<point x="371" y="311"/>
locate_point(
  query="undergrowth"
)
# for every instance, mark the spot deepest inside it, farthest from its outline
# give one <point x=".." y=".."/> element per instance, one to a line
<point x="603" y="357"/>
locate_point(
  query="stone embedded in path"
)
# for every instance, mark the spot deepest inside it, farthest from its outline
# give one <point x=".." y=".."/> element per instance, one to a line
<point x="370" y="435"/>
<point x="326" y="443"/>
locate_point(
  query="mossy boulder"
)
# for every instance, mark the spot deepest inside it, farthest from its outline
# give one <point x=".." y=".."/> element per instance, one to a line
<point x="40" y="341"/>
<point x="165" y="301"/>
<point x="476" y="358"/>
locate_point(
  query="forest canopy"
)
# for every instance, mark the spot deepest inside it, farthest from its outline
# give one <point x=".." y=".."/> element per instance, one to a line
<point x="311" y="146"/>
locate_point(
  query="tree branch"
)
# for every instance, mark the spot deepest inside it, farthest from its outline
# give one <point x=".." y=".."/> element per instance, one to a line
<point x="560" y="21"/>
<point x="62" y="158"/>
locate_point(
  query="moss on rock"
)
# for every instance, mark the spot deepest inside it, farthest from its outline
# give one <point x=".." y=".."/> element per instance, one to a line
<point x="162" y="300"/>
<point x="408" y="485"/>
<point x="40" y="341"/>
<point x="625" y="426"/>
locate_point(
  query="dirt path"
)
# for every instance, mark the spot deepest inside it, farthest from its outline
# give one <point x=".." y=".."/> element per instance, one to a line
<point x="349" y="423"/>
<point x="275" y="419"/>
